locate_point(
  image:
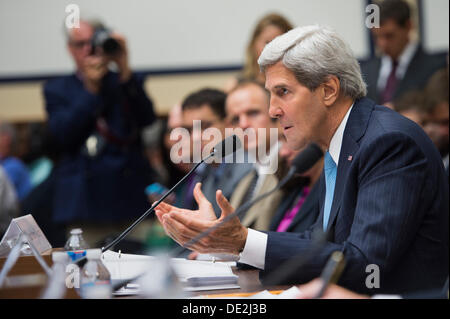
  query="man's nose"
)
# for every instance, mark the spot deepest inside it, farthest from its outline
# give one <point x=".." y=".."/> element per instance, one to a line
<point x="274" y="110"/>
<point x="244" y="122"/>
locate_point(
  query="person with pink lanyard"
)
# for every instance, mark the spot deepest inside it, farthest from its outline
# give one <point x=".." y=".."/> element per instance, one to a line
<point x="299" y="208"/>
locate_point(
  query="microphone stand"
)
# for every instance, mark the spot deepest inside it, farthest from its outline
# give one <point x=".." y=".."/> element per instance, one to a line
<point x="150" y="210"/>
<point x="238" y="211"/>
<point x="121" y="283"/>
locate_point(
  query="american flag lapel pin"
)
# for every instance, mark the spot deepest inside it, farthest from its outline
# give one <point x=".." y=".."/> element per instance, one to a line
<point x="349" y="158"/>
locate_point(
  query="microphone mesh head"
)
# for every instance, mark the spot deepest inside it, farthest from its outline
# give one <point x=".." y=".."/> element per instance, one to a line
<point x="228" y="146"/>
<point x="307" y="158"/>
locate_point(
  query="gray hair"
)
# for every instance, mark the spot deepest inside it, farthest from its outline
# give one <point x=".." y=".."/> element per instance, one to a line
<point x="313" y="53"/>
<point x="92" y="21"/>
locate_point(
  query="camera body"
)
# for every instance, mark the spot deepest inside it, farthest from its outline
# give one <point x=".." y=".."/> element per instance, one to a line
<point x="102" y="39"/>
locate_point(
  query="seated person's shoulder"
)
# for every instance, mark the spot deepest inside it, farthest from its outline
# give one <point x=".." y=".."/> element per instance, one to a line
<point x="369" y="63"/>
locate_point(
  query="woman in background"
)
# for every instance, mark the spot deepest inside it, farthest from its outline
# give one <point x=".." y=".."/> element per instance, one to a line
<point x="267" y="29"/>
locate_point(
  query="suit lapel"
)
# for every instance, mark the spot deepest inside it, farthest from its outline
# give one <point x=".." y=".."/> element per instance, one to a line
<point x="373" y="78"/>
<point x="241" y="189"/>
<point x="322" y="190"/>
<point x="348" y="149"/>
<point x="412" y="67"/>
<point x="231" y="176"/>
<point x="354" y="131"/>
<point x="255" y="211"/>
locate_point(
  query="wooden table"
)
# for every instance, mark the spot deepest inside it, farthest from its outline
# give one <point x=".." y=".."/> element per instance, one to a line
<point x="27" y="265"/>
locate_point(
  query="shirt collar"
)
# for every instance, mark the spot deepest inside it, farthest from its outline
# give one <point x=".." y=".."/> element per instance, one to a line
<point x="336" y="140"/>
<point x="405" y="58"/>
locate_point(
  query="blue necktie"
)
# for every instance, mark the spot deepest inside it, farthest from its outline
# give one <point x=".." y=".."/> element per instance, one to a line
<point x="330" y="180"/>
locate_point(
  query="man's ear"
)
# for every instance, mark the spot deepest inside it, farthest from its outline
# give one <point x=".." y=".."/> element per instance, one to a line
<point x="330" y="89"/>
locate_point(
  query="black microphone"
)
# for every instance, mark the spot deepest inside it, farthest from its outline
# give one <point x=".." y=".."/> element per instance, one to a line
<point x="226" y="147"/>
<point x="301" y="163"/>
<point x="306" y="159"/>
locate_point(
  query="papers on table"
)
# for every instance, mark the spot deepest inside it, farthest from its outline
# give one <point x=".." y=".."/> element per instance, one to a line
<point x="195" y="275"/>
<point x="204" y="275"/>
<point x="126" y="266"/>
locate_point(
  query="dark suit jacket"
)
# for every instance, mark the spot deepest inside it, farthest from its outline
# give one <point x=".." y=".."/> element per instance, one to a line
<point x="420" y="69"/>
<point x="305" y="217"/>
<point x="109" y="187"/>
<point x="390" y="208"/>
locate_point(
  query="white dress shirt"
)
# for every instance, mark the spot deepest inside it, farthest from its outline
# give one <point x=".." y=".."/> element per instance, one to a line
<point x="254" y="253"/>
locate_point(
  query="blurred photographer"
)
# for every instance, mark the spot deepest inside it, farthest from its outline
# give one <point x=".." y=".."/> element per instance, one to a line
<point x="95" y="118"/>
<point x="92" y="48"/>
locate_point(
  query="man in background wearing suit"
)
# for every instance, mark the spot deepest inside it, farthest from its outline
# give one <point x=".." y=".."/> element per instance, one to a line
<point x="403" y="65"/>
<point x="384" y="195"/>
<point x="247" y="106"/>
<point x="95" y="117"/>
<point x="208" y="107"/>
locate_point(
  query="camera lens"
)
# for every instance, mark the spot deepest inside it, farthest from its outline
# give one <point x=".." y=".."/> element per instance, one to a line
<point x="111" y="46"/>
<point x="103" y="40"/>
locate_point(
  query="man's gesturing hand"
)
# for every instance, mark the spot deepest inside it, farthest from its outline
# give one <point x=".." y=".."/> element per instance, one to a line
<point x="183" y="225"/>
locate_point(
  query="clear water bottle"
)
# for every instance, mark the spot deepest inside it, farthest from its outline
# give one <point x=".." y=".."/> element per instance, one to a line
<point x="95" y="277"/>
<point x="76" y="245"/>
<point x="56" y="287"/>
